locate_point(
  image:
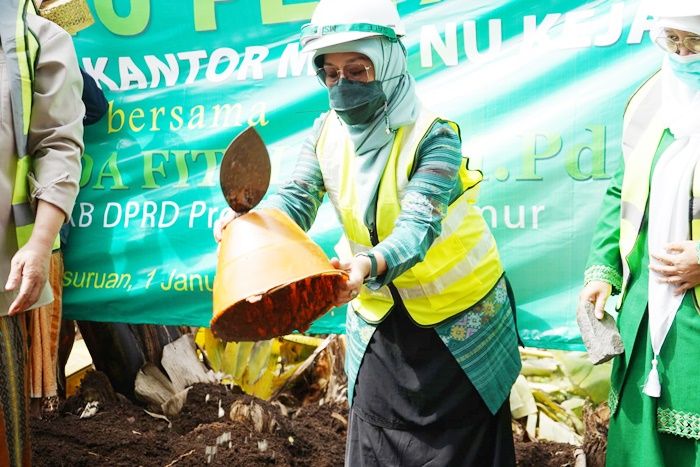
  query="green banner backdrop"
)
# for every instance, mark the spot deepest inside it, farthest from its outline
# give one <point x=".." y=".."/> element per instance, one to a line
<point x="538" y="88"/>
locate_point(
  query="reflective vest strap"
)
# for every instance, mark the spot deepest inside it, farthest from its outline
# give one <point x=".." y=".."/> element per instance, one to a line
<point x="628" y="235"/>
<point x="409" y="141"/>
<point x="332" y="153"/>
<point x="397" y="169"/>
<point x="329" y="166"/>
<point x="459" y="270"/>
<point x="641" y="133"/>
<point x="22" y="49"/>
<point x="635" y="191"/>
<point x="22" y="214"/>
<point x="631" y="214"/>
<point x="643" y="103"/>
<point x="635" y="185"/>
<point x="20" y="193"/>
<point x="26" y="50"/>
<point x="24" y="233"/>
<point x="631" y="218"/>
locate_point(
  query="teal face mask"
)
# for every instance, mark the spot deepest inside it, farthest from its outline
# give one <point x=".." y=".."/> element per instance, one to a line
<point x="356" y="102"/>
<point x="687" y="69"/>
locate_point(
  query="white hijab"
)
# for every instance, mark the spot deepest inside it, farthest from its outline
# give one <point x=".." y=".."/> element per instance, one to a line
<point x="670" y="193"/>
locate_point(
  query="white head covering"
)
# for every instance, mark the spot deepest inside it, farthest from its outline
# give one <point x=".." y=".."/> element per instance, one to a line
<point x="673" y="8"/>
<point x="683" y="15"/>
<point x="688" y="23"/>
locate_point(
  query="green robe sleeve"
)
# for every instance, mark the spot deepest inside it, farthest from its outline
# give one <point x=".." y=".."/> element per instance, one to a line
<point x="604" y="261"/>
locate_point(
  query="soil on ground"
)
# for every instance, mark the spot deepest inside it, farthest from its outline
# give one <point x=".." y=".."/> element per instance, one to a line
<point x="121" y="433"/>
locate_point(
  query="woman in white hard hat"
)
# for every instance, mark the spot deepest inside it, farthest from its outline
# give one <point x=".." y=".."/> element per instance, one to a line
<point x="647" y="247"/>
<point x="432" y="346"/>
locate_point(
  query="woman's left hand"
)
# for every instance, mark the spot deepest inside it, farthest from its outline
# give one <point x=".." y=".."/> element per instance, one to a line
<point x="678" y="265"/>
<point x="357" y="268"/>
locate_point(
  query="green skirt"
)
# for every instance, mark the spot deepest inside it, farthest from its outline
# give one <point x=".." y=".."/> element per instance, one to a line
<point x="633" y="438"/>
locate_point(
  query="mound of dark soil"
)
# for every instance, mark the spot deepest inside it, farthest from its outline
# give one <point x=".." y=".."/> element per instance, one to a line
<point x="121" y="433"/>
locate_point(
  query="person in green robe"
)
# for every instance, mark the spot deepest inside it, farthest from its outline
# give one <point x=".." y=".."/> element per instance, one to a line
<point x="646" y="247"/>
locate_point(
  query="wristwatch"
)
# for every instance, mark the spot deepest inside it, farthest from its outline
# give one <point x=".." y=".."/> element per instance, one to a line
<point x="372" y="264"/>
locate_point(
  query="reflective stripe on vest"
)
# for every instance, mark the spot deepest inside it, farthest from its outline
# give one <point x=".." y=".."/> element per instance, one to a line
<point x="460" y="267"/>
<point x="21" y="50"/>
<point x="22" y="211"/>
<point x="643" y="129"/>
<point x="641" y="133"/>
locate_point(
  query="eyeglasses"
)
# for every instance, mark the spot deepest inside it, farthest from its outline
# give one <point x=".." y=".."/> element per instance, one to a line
<point x="330" y="74"/>
<point x="672" y="44"/>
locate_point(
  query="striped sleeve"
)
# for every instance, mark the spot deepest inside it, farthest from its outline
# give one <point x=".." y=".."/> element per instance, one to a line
<point x="424" y="203"/>
<point x="301" y="195"/>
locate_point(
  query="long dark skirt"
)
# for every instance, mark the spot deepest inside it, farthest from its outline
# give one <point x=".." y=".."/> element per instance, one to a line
<point x="414" y="405"/>
<point x="482" y="444"/>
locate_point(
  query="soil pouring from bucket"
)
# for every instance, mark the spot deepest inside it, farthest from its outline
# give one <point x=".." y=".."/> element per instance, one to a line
<point x="271" y="278"/>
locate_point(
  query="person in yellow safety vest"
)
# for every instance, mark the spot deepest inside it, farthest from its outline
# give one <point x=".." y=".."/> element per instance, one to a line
<point x="45" y="324"/>
<point x="432" y="345"/>
<point x="41" y="131"/>
<point x="646" y="247"/>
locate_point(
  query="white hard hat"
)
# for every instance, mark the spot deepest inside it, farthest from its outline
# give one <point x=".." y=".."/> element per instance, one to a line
<point x="339" y="21"/>
<point x="673" y="8"/>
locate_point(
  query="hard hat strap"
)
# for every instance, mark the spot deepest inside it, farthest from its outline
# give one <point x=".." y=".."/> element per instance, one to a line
<point x="311" y="31"/>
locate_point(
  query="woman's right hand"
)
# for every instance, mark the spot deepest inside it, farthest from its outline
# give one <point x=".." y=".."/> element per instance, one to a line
<point x="597" y="293"/>
<point x="357" y="269"/>
<point x="221" y="223"/>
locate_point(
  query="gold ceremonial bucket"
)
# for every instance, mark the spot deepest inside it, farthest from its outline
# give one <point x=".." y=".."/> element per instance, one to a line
<point x="271" y="278"/>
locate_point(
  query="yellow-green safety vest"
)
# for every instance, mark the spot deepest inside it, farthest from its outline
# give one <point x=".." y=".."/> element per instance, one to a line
<point x="21" y="50"/>
<point x="643" y="128"/>
<point x="461" y="266"/>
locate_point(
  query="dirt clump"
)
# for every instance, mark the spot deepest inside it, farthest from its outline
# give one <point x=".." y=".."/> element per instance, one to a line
<point x="595" y="441"/>
<point x="544" y="453"/>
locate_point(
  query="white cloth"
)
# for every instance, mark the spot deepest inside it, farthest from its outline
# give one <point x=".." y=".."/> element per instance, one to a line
<point x="669" y="199"/>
